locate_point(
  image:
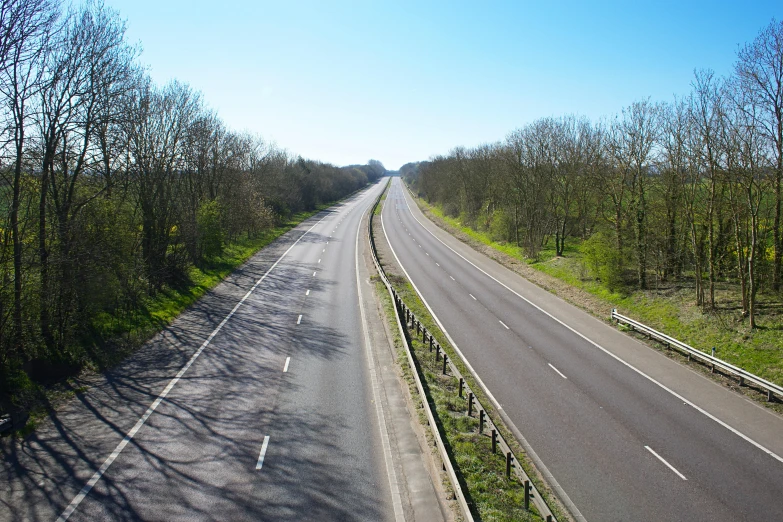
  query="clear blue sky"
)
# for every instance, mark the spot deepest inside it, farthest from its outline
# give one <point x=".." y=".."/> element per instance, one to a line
<point x="399" y="81"/>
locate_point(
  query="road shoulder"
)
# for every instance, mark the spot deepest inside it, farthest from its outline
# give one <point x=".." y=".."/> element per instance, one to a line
<point x="423" y="496"/>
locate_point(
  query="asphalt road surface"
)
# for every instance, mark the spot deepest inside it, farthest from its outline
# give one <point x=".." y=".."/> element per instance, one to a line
<point x="626" y="433"/>
<point x="256" y="404"/>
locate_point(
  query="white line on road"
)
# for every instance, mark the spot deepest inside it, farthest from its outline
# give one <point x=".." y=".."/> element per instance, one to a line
<point x="307" y="293"/>
<point x="471" y="295"/>
<point x="501" y="322"/>
<point x="452" y="278"/>
<point x="667" y="464"/>
<point x="437" y="264"/>
<point x="324" y="250"/>
<point x="299" y="320"/>
<point x="319" y="260"/>
<point x="314" y="274"/>
<point x="427" y="253"/>
<point x="263" y="452"/>
<point x="558" y="371"/>
<point x="287" y="361"/>
<point x="124" y="442"/>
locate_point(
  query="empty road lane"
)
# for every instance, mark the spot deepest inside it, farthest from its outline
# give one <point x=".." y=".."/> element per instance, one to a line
<point x="257" y="404"/>
<point x="627" y="433"/>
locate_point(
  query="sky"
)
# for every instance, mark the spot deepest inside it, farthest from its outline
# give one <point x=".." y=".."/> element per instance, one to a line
<point x="399" y="81"/>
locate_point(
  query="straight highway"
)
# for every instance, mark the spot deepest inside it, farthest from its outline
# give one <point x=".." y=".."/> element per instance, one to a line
<point x="623" y="432"/>
<point x="261" y="402"/>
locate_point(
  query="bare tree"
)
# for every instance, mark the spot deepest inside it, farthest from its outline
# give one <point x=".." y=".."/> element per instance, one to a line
<point x="25" y="26"/>
<point x="707" y="110"/>
<point x="86" y="70"/>
<point x="160" y="119"/>
<point x="760" y="70"/>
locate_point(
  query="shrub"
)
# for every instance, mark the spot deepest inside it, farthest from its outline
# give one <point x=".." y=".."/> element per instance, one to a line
<point x="603" y="260"/>
<point x="210" y="231"/>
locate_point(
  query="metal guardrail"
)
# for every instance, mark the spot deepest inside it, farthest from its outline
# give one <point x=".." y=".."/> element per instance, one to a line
<point x="744" y="376"/>
<point x="474" y="407"/>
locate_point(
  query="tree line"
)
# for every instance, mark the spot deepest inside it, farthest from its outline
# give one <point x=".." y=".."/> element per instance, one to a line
<point x="111" y="186"/>
<point x="689" y="188"/>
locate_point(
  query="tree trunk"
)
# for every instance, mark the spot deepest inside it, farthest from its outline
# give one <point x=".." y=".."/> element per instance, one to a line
<point x="752" y="271"/>
<point x="778" y="255"/>
<point x="15" y="204"/>
<point x="43" y="253"/>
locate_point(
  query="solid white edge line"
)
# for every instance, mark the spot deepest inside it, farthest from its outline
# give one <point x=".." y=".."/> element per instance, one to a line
<point x="504" y="325"/>
<point x="667" y="464"/>
<point x="558" y="371"/>
<point x="607" y="352"/>
<point x="124" y="442"/>
<point x="308" y="292"/>
<point x="263" y="453"/>
<point x="399" y="515"/>
<point x="287" y="362"/>
<point x="299" y="319"/>
<point x="528" y="448"/>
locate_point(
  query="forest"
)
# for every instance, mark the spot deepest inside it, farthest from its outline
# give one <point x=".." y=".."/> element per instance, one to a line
<point x="115" y="191"/>
<point x="686" y="191"/>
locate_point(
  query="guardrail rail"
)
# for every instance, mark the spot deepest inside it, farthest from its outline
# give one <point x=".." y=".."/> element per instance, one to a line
<point x="744" y="376"/>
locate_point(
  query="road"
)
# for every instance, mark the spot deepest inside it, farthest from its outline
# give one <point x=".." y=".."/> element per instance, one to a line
<point x="626" y="433"/>
<point x="256" y="404"/>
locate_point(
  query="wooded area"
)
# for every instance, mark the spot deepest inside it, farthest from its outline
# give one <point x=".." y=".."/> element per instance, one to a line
<point x="685" y="190"/>
<point x="111" y="187"/>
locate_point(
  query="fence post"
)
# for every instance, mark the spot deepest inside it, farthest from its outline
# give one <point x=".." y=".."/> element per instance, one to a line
<point x="470" y="404"/>
<point x="508" y="464"/>
<point x="481" y="421"/>
<point x="527" y="495"/>
<point x="445" y="361"/>
<point x="461" y="385"/>
<point x="713" y="364"/>
<point x="432" y="340"/>
<point x="494" y="440"/>
<point x="437" y="353"/>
